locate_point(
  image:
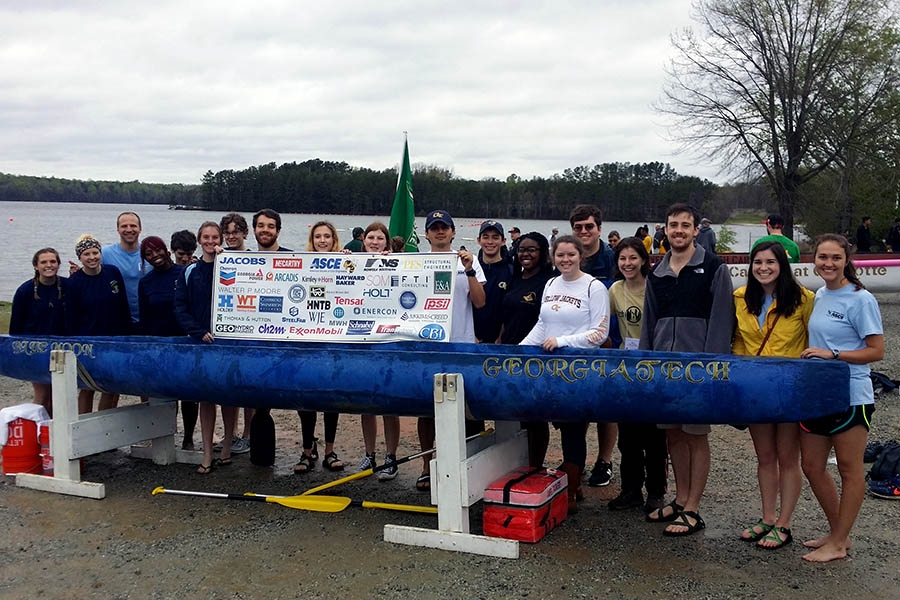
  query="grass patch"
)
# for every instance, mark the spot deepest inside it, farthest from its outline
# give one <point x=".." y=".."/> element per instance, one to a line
<point x="750" y="218"/>
<point x="5" y="310"/>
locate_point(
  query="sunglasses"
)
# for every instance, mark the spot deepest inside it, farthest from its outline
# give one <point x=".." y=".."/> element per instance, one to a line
<point x="585" y="227"/>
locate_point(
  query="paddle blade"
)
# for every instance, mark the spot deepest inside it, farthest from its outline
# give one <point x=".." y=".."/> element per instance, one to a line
<point x="329" y="504"/>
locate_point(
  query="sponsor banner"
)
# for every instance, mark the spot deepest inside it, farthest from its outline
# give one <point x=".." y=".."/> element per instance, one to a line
<point x="308" y="296"/>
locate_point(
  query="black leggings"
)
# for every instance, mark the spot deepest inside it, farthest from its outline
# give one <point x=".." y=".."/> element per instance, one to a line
<point x="308" y="427"/>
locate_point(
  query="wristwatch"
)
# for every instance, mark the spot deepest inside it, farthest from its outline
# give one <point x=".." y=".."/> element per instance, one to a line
<point x="835" y="354"/>
<point x="471" y="273"/>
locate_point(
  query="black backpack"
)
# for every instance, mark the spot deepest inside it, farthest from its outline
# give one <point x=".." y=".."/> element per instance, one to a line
<point x="887" y="465"/>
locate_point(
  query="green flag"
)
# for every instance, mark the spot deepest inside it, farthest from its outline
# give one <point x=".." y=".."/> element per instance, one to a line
<point x="403" y="213"/>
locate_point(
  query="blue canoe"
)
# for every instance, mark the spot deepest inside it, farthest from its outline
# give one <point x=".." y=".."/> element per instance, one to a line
<point x="501" y="382"/>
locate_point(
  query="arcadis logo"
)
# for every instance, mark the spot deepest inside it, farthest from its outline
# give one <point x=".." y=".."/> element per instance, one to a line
<point x="287" y="263"/>
<point x="242" y="260"/>
<point x="228" y="277"/>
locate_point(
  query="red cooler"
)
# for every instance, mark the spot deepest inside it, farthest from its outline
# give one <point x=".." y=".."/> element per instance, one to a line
<point x="525" y="504"/>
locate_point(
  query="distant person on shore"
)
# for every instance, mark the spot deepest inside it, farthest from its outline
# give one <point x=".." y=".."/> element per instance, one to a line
<point x="514" y="233"/>
<point x="398" y="244"/>
<point x="356" y="244"/>
<point x="772" y="312"/>
<point x="183" y="245"/>
<point x="553" y="235"/>
<point x="706" y="237"/>
<point x="39" y="308"/>
<point x="613" y="239"/>
<point x="775" y="229"/>
<point x="658" y="236"/>
<point x="97" y="305"/>
<point x="845" y="325"/>
<point x="893" y="237"/>
<point x="864" y="235"/>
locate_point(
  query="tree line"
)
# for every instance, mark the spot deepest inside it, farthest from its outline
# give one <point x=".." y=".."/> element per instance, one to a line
<point x="25" y="188"/>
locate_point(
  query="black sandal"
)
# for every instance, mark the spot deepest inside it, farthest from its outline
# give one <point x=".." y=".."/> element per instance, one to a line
<point x="332" y="462"/>
<point x="304" y="465"/>
<point x="423" y="483"/>
<point x="314" y="455"/>
<point x="682" y="521"/>
<point x="660" y="517"/>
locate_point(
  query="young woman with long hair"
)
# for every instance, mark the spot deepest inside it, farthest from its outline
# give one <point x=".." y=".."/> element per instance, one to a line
<point x="845" y="325"/>
<point x="773" y="312"/>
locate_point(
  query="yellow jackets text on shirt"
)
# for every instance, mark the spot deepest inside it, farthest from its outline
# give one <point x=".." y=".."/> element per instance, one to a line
<point x="789" y="338"/>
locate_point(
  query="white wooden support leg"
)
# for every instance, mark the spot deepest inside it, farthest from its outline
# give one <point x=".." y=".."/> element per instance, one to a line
<point x="458" y="481"/>
<point x="66" y="466"/>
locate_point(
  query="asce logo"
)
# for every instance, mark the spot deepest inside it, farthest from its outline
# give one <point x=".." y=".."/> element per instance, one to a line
<point x="326" y="263"/>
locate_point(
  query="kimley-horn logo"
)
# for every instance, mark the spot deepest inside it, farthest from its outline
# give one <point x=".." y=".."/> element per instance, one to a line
<point x="287" y="263"/>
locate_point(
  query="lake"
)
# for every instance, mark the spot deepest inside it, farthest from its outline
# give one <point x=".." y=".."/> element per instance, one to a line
<point x="29" y="226"/>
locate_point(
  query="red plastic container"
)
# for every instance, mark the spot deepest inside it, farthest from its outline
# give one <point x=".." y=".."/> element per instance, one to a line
<point x="22" y="452"/>
<point x="525" y="504"/>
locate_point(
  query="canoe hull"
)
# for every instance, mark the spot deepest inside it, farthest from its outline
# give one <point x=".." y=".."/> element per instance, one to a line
<point x="501" y="382"/>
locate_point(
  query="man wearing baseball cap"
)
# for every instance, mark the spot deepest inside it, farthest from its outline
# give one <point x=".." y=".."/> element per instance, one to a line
<point x="468" y="294"/>
<point x="497" y="271"/>
<point x="774" y="227"/>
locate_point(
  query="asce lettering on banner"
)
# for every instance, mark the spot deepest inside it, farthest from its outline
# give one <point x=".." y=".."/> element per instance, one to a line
<point x="312" y="297"/>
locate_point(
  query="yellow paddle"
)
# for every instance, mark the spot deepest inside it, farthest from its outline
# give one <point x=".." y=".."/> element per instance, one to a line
<point x="329" y="504"/>
<point x="430" y="510"/>
<point x="397" y="462"/>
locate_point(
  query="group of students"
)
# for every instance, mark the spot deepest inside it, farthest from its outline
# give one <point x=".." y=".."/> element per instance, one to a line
<point x="578" y="292"/>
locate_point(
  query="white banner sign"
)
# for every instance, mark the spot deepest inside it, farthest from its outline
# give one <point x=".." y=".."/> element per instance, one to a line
<point x="333" y="297"/>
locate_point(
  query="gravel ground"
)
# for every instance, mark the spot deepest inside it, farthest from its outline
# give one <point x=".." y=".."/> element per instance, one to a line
<point x="134" y="545"/>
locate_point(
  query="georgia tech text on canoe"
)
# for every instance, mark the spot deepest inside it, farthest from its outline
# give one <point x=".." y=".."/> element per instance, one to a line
<point x="577" y="369"/>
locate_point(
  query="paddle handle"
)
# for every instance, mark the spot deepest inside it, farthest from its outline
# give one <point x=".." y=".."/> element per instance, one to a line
<point x="430" y="510"/>
<point x="162" y="490"/>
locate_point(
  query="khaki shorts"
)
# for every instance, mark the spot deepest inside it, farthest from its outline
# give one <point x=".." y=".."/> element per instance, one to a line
<point x="692" y="429"/>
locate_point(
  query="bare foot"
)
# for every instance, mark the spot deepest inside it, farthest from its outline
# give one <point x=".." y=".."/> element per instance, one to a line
<point x="819" y="542"/>
<point x="826" y="553"/>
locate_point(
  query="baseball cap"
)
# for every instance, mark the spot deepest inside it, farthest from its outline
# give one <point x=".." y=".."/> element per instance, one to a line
<point x="439" y="216"/>
<point x="705" y="220"/>
<point x="774" y="221"/>
<point x="491" y="224"/>
<point x="358" y="231"/>
<point x="515" y="230"/>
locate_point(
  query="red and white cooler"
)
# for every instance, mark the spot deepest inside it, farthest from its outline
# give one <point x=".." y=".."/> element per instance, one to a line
<point x="525" y="504"/>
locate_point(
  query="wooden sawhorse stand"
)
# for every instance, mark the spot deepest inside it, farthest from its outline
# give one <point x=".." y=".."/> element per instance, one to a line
<point x="460" y="473"/>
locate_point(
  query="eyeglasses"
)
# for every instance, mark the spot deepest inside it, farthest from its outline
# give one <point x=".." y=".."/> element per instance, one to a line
<point x="529" y="250"/>
<point x="585" y="227"/>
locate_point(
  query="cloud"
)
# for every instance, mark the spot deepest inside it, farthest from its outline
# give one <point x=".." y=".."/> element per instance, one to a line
<point x="164" y="91"/>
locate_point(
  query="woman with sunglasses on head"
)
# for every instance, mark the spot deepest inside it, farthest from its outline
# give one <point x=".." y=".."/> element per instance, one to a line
<point x="773" y="313"/>
<point x="521" y="308"/>
<point x="845" y="325"/>
<point x="574" y="312"/>
<point x="323" y="237"/>
<point x="39" y="308"/>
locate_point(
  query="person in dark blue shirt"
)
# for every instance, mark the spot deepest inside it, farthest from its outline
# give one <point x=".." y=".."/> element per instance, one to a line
<point x="97" y="304"/>
<point x="156" y="290"/>
<point x="498" y="271"/>
<point x="39" y="308"/>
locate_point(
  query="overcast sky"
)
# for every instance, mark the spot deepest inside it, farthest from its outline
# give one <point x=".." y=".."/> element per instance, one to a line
<point x="163" y="91"/>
